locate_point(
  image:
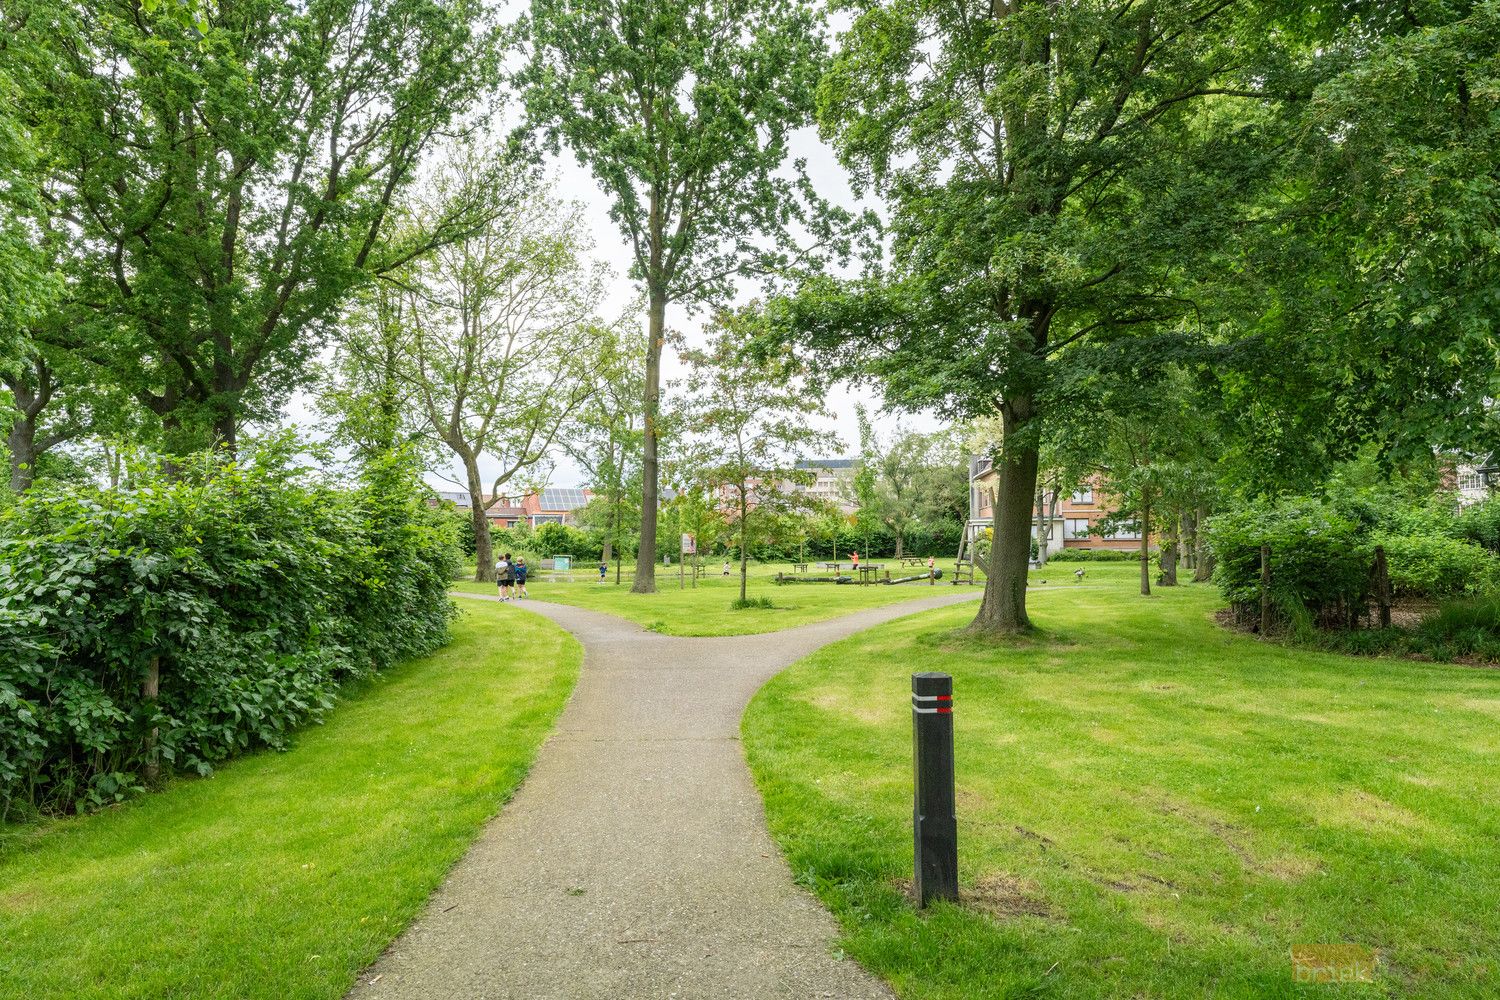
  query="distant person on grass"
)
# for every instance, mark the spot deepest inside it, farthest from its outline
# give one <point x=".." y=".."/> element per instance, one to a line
<point x="521" y="572"/>
<point x="504" y="574"/>
<point x="726" y="567"/>
<point x="603" y="570"/>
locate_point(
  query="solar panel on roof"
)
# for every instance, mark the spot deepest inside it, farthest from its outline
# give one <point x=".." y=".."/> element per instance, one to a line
<point x="561" y="498"/>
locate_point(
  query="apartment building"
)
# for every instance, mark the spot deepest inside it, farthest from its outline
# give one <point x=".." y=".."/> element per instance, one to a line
<point x="834" y="483"/>
<point x="1075" y="517"/>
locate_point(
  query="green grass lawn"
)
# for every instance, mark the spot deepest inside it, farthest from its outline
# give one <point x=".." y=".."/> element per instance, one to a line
<point x="706" y="609"/>
<point x="1148" y="806"/>
<point x="286" y="873"/>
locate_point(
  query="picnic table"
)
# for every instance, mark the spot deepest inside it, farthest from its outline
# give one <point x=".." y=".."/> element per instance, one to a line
<point x="870" y="572"/>
<point x="913" y="561"/>
<point x="799" y="567"/>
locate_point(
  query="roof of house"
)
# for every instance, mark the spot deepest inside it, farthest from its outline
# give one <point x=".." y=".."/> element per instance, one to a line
<point x="562" y="499"/>
<point x="828" y="463"/>
<point x="504" y="511"/>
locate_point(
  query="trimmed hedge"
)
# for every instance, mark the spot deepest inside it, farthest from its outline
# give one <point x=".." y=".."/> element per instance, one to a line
<point x="255" y="587"/>
<point x="1096" y="555"/>
<point x="1434" y="566"/>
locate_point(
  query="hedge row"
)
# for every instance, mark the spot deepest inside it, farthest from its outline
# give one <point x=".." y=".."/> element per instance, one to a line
<point x="1322" y="557"/>
<point x="254" y="589"/>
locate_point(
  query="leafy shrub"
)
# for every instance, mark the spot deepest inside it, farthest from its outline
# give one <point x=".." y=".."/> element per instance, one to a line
<point x="1318" y="559"/>
<point x="1095" y="555"/>
<point x="1435" y="566"/>
<point x="744" y="603"/>
<point x="254" y="589"/>
<point x="1480" y="524"/>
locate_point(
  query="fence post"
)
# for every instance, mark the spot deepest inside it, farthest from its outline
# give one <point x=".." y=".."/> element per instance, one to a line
<point x="934" y="819"/>
<point x="1382" y="586"/>
<point x="1265" y="590"/>
<point x="150" y="691"/>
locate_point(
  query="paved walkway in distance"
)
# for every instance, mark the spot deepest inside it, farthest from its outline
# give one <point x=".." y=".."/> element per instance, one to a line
<point x="635" y="861"/>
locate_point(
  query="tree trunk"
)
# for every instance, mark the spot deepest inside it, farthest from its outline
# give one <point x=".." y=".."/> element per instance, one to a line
<point x="22" y="443"/>
<point x="1145" y="527"/>
<point x="1169" y="556"/>
<point x="484" y="550"/>
<point x="1189" y="535"/>
<point x="1382" y="586"/>
<point x="226" y="433"/>
<point x="1041" y="526"/>
<point x="645" y="559"/>
<point x="619" y="549"/>
<point x="1203" y="560"/>
<point x="150" y="689"/>
<point x="1003" y="609"/>
<point x="744" y="531"/>
<point x="30" y="394"/>
<point x="1265" y="590"/>
<point x="900" y="546"/>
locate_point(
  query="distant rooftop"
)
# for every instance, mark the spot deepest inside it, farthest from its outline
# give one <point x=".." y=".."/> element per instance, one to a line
<point x="828" y="463"/>
<point x="558" y="498"/>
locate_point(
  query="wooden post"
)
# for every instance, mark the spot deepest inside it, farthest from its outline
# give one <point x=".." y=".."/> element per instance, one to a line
<point x="1265" y="590"/>
<point x="1382" y="587"/>
<point x="150" y="688"/>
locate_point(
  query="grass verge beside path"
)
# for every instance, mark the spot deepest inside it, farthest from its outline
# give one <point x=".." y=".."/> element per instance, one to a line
<point x="1148" y="806"/>
<point x="705" y="611"/>
<point x="285" y="874"/>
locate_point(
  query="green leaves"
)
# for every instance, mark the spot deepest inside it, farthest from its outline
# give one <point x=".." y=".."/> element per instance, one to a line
<point x="224" y="188"/>
<point x="256" y="590"/>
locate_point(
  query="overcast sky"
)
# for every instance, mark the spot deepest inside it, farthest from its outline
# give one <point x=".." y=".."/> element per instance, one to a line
<point x="573" y="182"/>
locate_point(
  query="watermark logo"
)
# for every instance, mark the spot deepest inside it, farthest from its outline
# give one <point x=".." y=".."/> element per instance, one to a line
<point x="1333" y="963"/>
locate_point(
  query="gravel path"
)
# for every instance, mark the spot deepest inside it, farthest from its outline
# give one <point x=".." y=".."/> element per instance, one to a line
<point x="635" y="861"/>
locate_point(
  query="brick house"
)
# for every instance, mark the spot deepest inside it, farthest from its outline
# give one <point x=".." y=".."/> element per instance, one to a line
<point x="554" y="505"/>
<point x="1073" y="523"/>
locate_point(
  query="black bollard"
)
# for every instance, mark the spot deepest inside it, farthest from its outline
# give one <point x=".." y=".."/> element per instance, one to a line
<point x="934" y="823"/>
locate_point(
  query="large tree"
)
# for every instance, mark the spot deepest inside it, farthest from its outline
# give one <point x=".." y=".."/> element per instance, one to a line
<point x="750" y="421"/>
<point x="1050" y="169"/>
<point x="607" y="437"/>
<point x="229" y="187"/>
<point x="500" y="335"/>
<point x="683" y="110"/>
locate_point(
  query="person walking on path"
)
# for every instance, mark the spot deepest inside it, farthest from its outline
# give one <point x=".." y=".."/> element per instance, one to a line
<point x="504" y="575"/>
<point x="521" y="572"/>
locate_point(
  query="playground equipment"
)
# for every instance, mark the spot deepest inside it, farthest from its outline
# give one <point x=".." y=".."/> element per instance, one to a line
<point x="968" y="559"/>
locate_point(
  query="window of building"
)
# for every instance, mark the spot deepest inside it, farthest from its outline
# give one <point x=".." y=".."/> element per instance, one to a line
<point x="1470" y="480"/>
<point x="1085" y="495"/>
<point x="1075" y="527"/>
<point x="1124" y="533"/>
<point x="546" y="519"/>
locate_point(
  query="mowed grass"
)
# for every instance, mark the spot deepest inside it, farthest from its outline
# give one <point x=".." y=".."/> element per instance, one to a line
<point x="287" y="873"/>
<point x="705" y="610"/>
<point x="1147" y="806"/>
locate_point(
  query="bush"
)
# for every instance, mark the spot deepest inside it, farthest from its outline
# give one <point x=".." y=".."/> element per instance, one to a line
<point x="1318" y="560"/>
<point x="1434" y="566"/>
<point x="744" y="603"/>
<point x="1095" y="555"/>
<point x="1480" y="524"/>
<point x="254" y="588"/>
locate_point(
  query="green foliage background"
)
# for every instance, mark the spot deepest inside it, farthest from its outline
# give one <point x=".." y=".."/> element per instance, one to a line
<point x="258" y="585"/>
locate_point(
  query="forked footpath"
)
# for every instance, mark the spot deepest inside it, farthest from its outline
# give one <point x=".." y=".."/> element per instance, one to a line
<point x="635" y="860"/>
